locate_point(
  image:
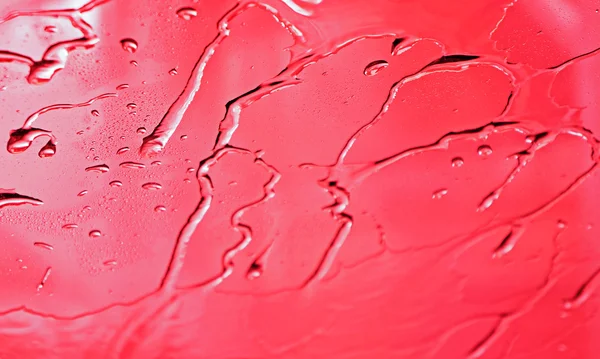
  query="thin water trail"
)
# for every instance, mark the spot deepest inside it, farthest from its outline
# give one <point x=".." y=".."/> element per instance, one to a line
<point x="22" y="138"/>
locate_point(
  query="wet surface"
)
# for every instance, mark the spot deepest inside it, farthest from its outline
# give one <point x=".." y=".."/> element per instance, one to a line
<point x="299" y="179"/>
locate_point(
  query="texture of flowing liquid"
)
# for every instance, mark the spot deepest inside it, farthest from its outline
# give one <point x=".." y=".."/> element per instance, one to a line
<point x="300" y="179"/>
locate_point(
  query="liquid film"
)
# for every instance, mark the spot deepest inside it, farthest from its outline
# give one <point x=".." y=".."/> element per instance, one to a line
<point x="300" y="179"/>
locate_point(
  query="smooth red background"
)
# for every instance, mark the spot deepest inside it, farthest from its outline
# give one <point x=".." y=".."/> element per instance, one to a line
<point x="415" y="277"/>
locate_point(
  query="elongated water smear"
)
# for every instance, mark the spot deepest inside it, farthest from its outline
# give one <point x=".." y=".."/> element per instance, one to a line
<point x="55" y="57"/>
<point x="15" y="199"/>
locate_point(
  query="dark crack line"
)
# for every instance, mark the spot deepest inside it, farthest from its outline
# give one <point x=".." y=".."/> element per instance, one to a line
<point x="573" y="59"/>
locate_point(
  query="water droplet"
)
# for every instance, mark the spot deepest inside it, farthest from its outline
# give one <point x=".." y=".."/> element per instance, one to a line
<point x="186" y="180"/>
<point x="95" y="113"/>
<point x="191" y="169"/>
<point x="131" y="106"/>
<point x="122" y="87"/>
<point x="44" y="279"/>
<point x="160" y="209"/>
<point x="82" y="193"/>
<point x="134" y="63"/>
<point x="122" y="150"/>
<point x="116" y="184"/>
<point x="86" y="208"/>
<point x="152" y="186"/>
<point x="375" y="67"/>
<point x="95" y="233"/>
<point x="69" y="226"/>
<point x="129" y="45"/>
<point x="183" y="137"/>
<point x="484" y="150"/>
<point x="156" y="163"/>
<point x="187" y="13"/>
<point x="50" y="29"/>
<point x="43" y="245"/>
<point x="173" y="72"/>
<point x="98" y="168"/>
<point x="141" y="130"/>
<point x="561" y="224"/>
<point x="135" y="165"/>
<point x="457" y="162"/>
<point x="254" y="271"/>
<point x="439" y="194"/>
<point x="110" y="262"/>
<point x="48" y="150"/>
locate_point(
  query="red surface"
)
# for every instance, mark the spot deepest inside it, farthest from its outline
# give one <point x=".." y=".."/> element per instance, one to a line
<point x="300" y="179"/>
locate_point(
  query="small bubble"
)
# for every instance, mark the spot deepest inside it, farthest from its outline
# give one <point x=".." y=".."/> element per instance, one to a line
<point x="191" y="170"/>
<point x="129" y="45"/>
<point x="439" y="194"/>
<point x="160" y="209"/>
<point x="141" y="131"/>
<point x="95" y="233"/>
<point x="69" y="226"/>
<point x="51" y="29"/>
<point x="95" y="113"/>
<point x="186" y="180"/>
<point x="98" y="169"/>
<point x="484" y="150"/>
<point x="173" y="72"/>
<point x="86" y="208"/>
<point x="561" y="224"/>
<point x="110" y="262"/>
<point x="122" y="87"/>
<point x="131" y="106"/>
<point x="116" y="184"/>
<point x="187" y="13"/>
<point x="122" y="150"/>
<point x="156" y="163"/>
<point x="152" y="186"/>
<point x="457" y="162"/>
<point x="134" y="63"/>
<point x="375" y="67"/>
<point x="183" y="137"/>
<point x="82" y="193"/>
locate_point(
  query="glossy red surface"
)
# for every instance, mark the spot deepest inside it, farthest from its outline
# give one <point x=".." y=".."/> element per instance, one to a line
<point x="299" y="179"/>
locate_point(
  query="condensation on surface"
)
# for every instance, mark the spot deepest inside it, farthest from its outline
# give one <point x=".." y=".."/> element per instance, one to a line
<point x="299" y="179"/>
